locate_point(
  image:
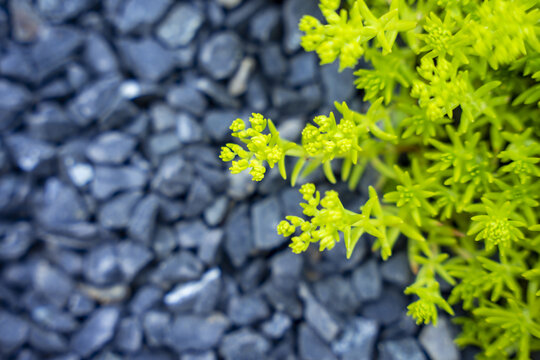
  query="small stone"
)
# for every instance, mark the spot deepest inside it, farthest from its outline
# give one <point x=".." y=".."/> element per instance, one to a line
<point x="209" y="245"/>
<point x="13" y="98"/>
<point x="197" y="355"/>
<point x="283" y="300"/>
<point x="183" y="266"/>
<point x="390" y="306"/>
<point x="156" y="326"/>
<point x="217" y="93"/>
<point x="160" y="145"/>
<point x="404" y="349"/>
<point x="49" y="123"/>
<point x="438" y="341"/>
<point x="47" y="341"/>
<point x="162" y="116"/>
<point x="293" y="11"/>
<point x="256" y="96"/>
<point x="265" y="216"/>
<point x="336" y="293"/>
<point x="214" y="214"/>
<point x="265" y="25"/>
<point x="26" y="24"/>
<point x="291" y="102"/>
<point x="357" y="341"/>
<point x="69" y="261"/>
<point x="143" y="219"/>
<point x="187" y="98"/>
<point x="26" y="354"/>
<point x="247" y="310"/>
<point x="76" y="75"/>
<point x="52" y="283"/>
<point x="238" y="83"/>
<point x="187" y="129"/>
<point x="276" y="327"/>
<point x="96" y="331"/>
<point x="15" y="241"/>
<point x="80" y="305"/>
<point x="95" y="101"/>
<point x="111" y="148"/>
<point x="80" y="174"/>
<point x="13" y="332"/>
<point x="244" y="344"/>
<point x="52" y="318"/>
<point x="145" y="298"/>
<point x="272" y="61"/>
<point x="30" y="154"/>
<point x="221" y="54"/>
<point x="404" y="326"/>
<point x="317" y="317"/>
<point x="146" y="58"/>
<point x="99" y="55"/>
<point x="250" y="278"/>
<point x="110" y="180"/>
<point x="396" y="270"/>
<point x="101" y="265"/>
<point x="286" y="270"/>
<point x="215" y="14"/>
<point x="116" y="213"/>
<point x="367" y="281"/>
<point x="189" y="233"/>
<point x="132" y="258"/>
<point x="238" y="243"/>
<point x="164" y="242"/>
<point x="192" y="332"/>
<point x="173" y="177"/>
<point x="339" y="86"/>
<point x="137" y="15"/>
<point x="16" y="62"/>
<point x="199" y="197"/>
<point x="217" y="122"/>
<point x="229" y="4"/>
<point x="129" y="335"/>
<point x="332" y="261"/>
<point x="302" y="69"/>
<point x="60" y="11"/>
<point x="180" y="26"/>
<point x="199" y="296"/>
<point x="311" y="346"/>
<point x="238" y="18"/>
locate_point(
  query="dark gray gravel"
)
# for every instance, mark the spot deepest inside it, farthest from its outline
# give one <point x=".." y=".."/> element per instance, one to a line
<point x="123" y="236"/>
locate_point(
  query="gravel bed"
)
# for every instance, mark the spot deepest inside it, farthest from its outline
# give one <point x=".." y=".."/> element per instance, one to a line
<point x="122" y="235"/>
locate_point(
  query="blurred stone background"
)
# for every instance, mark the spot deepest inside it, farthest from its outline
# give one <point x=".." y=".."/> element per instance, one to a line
<point x="122" y="236"/>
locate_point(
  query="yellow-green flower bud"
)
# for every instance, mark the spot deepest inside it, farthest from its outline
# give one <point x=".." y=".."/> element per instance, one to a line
<point x="285" y="228"/>
<point x="237" y="125"/>
<point x="239" y="166"/>
<point x="226" y="154"/>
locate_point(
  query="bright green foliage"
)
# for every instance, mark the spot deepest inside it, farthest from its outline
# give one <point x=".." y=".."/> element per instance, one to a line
<point x="454" y="86"/>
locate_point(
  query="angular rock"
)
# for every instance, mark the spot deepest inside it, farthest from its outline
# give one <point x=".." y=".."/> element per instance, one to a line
<point x="220" y="55"/>
<point x="101" y="265"/>
<point x="396" y="270"/>
<point x="250" y="278"/>
<point x="404" y="349"/>
<point x="13" y="332"/>
<point x="283" y="300"/>
<point x="199" y="296"/>
<point x="265" y="216"/>
<point x="145" y="298"/>
<point x="390" y="306"/>
<point x="238" y="84"/>
<point x="49" y="123"/>
<point x="272" y="61"/>
<point x="238" y="18"/>
<point x="311" y="346"/>
<point x="183" y="266"/>
<point x="16" y="63"/>
<point x="59" y="11"/>
<point x="209" y="245"/>
<point x="187" y="98"/>
<point x="96" y="101"/>
<point x="111" y="147"/>
<point x="192" y="332"/>
<point x="187" y="129"/>
<point x="214" y="214"/>
<point x="339" y="86"/>
<point x="159" y="145"/>
<point x="52" y="318"/>
<point x="128" y="338"/>
<point x="26" y="23"/>
<point x="438" y="341"/>
<point x="143" y="219"/>
<point x="132" y="258"/>
<point x="247" y="310"/>
<point x="15" y="242"/>
<point x="13" y="98"/>
<point x="244" y="344"/>
<point x="96" y="331"/>
<point x="52" y="283"/>
<point x="357" y="341"/>
<point x="265" y="25"/>
<point x="80" y="305"/>
<point x="47" y="341"/>
<point x="30" y="154"/>
<point x="156" y="325"/>
<point x="367" y="281"/>
<point x="199" y="197"/>
<point x="136" y="15"/>
<point x="116" y="213"/>
<point x="317" y="317"/>
<point x="238" y="243"/>
<point x="217" y="93"/>
<point x="164" y="242"/>
<point x="180" y="26"/>
<point x="76" y="75"/>
<point x="173" y="176"/>
<point x="290" y="102"/>
<point x="217" y="122"/>
<point x="293" y="11"/>
<point x="110" y="180"/>
<point x="286" y="270"/>
<point x="146" y="58"/>
<point x="190" y="233"/>
<point x="276" y="327"/>
<point x="256" y="96"/>
<point x="69" y="261"/>
<point x="336" y="293"/>
<point x="303" y="69"/>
